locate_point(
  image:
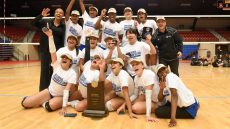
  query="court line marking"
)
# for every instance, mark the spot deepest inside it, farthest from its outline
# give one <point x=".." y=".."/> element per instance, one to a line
<point x="18" y="67"/>
<point x="198" y="97"/>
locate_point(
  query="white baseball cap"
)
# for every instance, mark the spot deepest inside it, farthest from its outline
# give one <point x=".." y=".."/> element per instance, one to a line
<point x="128" y="8"/>
<point x="67" y="55"/>
<point x="160" y="18"/>
<point x="119" y="60"/>
<point x="158" y="67"/>
<point x="94" y="34"/>
<point x="112" y="10"/>
<point x="75" y="12"/>
<point x="93" y="8"/>
<point x="136" y="60"/>
<point x="141" y="10"/>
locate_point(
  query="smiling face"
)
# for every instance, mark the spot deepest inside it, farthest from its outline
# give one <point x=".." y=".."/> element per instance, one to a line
<point x="162" y="73"/>
<point x="59" y="13"/>
<point x="128" y="14"/>
<point x="110" y="43"/>
<point x="65" y="62"/>
<point x="72" y="42"/>
<point x="138" y="68"/>
<point x="116" y="67"/>
<point x="161" y="25"/>
<point x="92" y="12"/>
<point x="74" y="18"/>
<point x="112" y="17"/>
<point x="93" y="42"/>
<point x="132" y="37"/>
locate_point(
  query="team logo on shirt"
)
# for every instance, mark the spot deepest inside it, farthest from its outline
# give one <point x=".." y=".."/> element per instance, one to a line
<point x="83" y="80"/>
<point x="168" y="36"/>
<point x="59" y="80"/>
<point x="133" y="54"/>
<point x="116" y="88"/>
<point x="109" y="32"/>
<point x="73" y="31"/>
<point x="89" y="24"/>
<point x="126" y="27"/>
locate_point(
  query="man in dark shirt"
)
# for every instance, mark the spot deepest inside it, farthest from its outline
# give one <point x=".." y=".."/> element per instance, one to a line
<point x="169" y="44"/>
<point x="58" y="29"/>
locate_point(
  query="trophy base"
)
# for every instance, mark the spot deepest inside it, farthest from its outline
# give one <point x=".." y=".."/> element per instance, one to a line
<point x="95" y="113"/>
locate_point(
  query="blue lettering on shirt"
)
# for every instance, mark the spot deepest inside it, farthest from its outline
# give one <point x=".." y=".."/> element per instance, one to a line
<point x="73" y="31"/>
<point x="89" y="24"/>
<point x="116" y="88"/>
<point x="74" y="61"/>
<point x="133" y="54"/>
<point x="126" y="27"/>
<point x="109" y="31"/>
<point x="83" y="80"/>
<point x="59" y="80"/>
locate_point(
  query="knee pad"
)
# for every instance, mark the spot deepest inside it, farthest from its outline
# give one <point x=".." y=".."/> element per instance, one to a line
<point x="23" y="101"/>
<point x="109" y="106"/>
<point x="47" y="107"/>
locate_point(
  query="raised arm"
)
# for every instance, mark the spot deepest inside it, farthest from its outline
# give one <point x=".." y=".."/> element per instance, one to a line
<point x="82" y="6"/>
<point x="98" y="23"/>
<point x="38" y="22"/>
<point x="52" y="47"/>
<point x="149" y="42"/>
<point x="67" y="13"/>
<point x="102" y="66"/>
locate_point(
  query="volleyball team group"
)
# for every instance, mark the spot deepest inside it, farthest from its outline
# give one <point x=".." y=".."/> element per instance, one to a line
<point x="137" y="60"/>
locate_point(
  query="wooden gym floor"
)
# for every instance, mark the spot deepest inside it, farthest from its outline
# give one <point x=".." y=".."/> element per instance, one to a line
<point x="210" y="85"/>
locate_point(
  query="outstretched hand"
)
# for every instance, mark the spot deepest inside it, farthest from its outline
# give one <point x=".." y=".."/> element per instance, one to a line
<point x="45" y="12"/>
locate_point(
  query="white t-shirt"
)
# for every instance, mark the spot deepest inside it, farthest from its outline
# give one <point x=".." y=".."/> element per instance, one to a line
<point x="147" y="78"/>
<point x="137" y="50"/>
<point x="87" y="77"/>
<point x="110" y="29"/>
<point x="60" y="78"/>
<point x="149" y="23"/>
<point x="72" y="29"/>
<point x="114" y="55"/>
<point x="123" y="79"/>
<point x="125" y="25"/>
<point x="88" y="26"/>
<point x="93" y="52"/>
<point x="73" y="53"/>
<point x="185" y="96"/>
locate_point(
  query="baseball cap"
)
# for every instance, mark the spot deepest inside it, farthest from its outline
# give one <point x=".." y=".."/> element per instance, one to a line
<point x="72" y="36"/>
<point x="94" y="34"/>
<point x="141" y="10"/>
<point x="96" y="56"/>
<point x="112" y="10"/>
<point x="128" y="8"/>
<point x="75" y="12"/>
<point x="136" y="60"/>
<point x="93" y="8"/>
<point x="158" y="67"/>
<point x="108" y="37"/>
<point x="119" y="60"/>
<point x="160" y="18"/>
<point x="67" y="55"/>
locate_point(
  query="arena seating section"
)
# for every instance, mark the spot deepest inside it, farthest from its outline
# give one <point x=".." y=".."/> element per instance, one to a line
<point x="198" y="36"/>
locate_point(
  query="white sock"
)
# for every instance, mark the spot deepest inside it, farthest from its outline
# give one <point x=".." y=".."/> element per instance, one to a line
<point x="44" y="104"/>
<point x="73" y="103"/>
